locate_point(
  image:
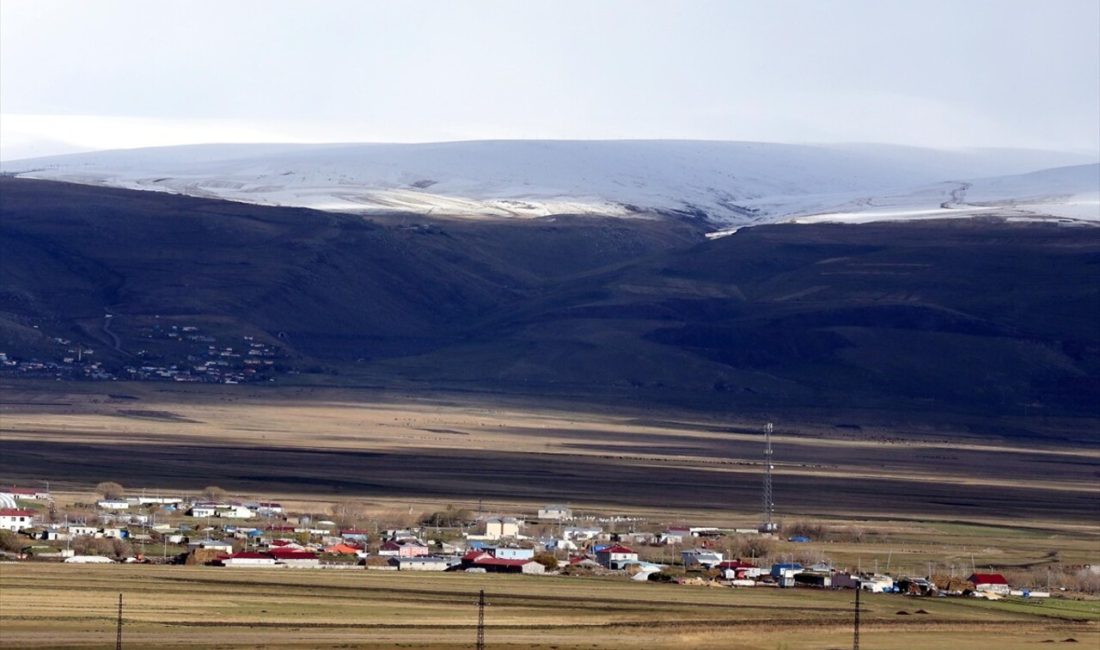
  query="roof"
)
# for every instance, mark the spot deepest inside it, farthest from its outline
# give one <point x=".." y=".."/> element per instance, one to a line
<point x="735" y="564"/>
<point x="618" y="548"/>
<point x="346" y="549"/>
<point x="988" y="579"/>
<point x="16" y="512"/>
<point x="492" y="561"/>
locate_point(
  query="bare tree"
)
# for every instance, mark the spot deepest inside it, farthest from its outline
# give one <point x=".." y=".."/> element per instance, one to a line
<point x="213" y="493"/>
<point x="111" y="490"/>
<point x="348" y="514"/>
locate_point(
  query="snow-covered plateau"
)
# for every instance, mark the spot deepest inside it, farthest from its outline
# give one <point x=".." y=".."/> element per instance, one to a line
<point x="729" y="184"/>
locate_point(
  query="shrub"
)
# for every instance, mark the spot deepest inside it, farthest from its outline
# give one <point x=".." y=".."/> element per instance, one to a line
<point x="547" y="560"/>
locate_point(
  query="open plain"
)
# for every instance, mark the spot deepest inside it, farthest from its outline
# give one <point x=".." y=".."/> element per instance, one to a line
<point x="372" y="445"/>
<point x="188" y="607"/>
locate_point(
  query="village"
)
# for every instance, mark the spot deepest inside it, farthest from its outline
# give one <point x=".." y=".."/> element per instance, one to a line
<point x="215" y="530"/>
<point x="177" y="353"/>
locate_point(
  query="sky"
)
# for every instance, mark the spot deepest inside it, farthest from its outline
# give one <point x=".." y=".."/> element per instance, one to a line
<point x="77" y="75"/>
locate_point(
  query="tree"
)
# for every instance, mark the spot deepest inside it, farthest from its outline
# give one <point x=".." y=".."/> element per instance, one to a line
<point x="111" y="490"/>
<point x="11" y="542"/>
<point x="348" y="514"/>
<point x="213" y="493"/>
<point x="450" y="518"/>
<point x="547" y="560"/>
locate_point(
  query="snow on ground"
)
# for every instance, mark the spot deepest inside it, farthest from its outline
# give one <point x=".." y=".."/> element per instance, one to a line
<point x="1063" y="194"/>
<point x="731" y="183"/>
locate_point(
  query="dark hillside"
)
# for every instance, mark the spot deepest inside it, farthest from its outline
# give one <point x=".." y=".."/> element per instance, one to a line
<point x="931" y="322"/>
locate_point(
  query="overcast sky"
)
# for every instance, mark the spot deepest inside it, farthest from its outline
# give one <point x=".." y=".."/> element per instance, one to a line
<point x="109" y="74"/>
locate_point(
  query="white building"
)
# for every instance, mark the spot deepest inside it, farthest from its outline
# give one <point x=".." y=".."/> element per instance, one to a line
<point x="113" y="504"/>
<point x="422" y="564"/>
<point x="581" y="533"/>
<point x="235" y="512"/>
<point x="248" y="559"/>
<point x="501" y="527"/>
<point x="701" y="559"/>
<point x="203" y="510"/>
<point x="616" y="557"/>
<point x="212" y="544"/>
<point x="555" y="513"/>
<point x="15" y="519"/>
<point x="160" y="501"/>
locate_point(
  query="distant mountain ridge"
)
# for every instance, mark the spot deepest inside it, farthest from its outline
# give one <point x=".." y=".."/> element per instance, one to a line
<point x="723" y="184"/>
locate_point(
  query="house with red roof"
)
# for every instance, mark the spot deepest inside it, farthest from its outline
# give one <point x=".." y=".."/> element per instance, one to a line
<point x="738" y="570"/>
<point x="616" y="557"/>
<point x="16" y="519"/>
<point x="27" y="493"/>
<point x="994" y="583"/>
<point x="295" y="557"/>
<point x="403" y="548"/>
<point x="486" y="561"/>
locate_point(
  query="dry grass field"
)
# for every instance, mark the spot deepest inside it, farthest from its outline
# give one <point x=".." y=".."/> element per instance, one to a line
<point x="59" y="606"/>
<point x="332" y="444"/>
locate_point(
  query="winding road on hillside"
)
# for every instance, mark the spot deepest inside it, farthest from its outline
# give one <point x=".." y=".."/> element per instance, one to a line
<point x="116" y="343"/>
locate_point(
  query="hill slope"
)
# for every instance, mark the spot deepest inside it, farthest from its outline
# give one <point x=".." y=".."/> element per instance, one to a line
<point x="978" y="318"/>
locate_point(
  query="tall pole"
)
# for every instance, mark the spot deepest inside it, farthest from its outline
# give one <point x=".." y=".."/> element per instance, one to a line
<point x="118" y="632"/>
<point x="481" y="620"/>
<point x="769" y="505"/>
<point x="855" y="638"/>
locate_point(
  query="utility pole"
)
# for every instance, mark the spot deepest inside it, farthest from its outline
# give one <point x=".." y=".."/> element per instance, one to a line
<point x="481" y="620"/>
<point x="118" y="633"/>
<point x="855" y="637"/>
<point x="769" y="506"/>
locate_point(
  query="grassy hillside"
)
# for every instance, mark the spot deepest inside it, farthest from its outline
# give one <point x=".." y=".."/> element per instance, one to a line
<point x="956" y="321"/>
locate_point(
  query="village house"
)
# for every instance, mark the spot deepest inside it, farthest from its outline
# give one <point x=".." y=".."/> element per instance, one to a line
<point x="738" y="570"/>
<point x="501" y="527"/>
<point x="247" y="559"/>
<point x="203" y="510"/>
<point x="27" y="494"/>
<point x="486" y="562"/>
<point x="234" y="511"/>
<point x="784" y="573"/>
<point x="555" y="513"/>
<point x="113" y="504"/>
<point x="993" y="583"/>
<point x="159" y="501"/>
<point x="295" y="558"/>
<point x="700" y="559"/>
<point x="510" y="552"/>
<point x="581" y="533"/>
<point x="82" y="531"/>
<point x="355" y="535"/>
<point x="426" y="563"/>
<point x="212" y="545"/>
<point x="16" y="519"/>
<point x="616" y="557"/>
